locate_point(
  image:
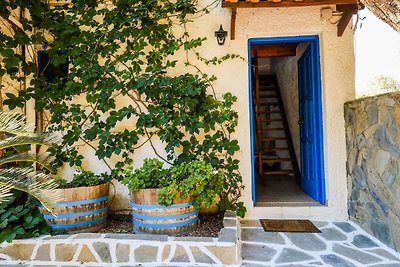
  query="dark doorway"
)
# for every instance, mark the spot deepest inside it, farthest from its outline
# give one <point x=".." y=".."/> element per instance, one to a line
<point x="286" y="119"/>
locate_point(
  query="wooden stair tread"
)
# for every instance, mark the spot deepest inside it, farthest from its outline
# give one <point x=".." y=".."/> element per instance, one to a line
<point x="270" y="112"/>
<point x="269" y="120"/>
<point x="269" y="103"/>
<point x="274" y="129"/>
<point x="278" y="160"/>
<point x="268" y="96"/>
<point x="273" y="138"/>
<point x="276" y="149"/>
<point x="277" y="172"/>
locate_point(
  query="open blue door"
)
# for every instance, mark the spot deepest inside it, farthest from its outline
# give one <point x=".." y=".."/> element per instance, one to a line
<point x="310" y="121"/>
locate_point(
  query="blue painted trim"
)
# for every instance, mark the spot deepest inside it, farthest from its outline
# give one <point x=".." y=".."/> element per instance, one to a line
<point x="164" y="217"/>
<point x="80" y="202"/>
<point x="251" y="119"/>
<point x="319" y="160"/>
<point x="163" y="226"/>
<point x="78" y="224"/>
<point x="74" y="215"/>
<point x="155" y="206"/>
<point x="314" y="40"/>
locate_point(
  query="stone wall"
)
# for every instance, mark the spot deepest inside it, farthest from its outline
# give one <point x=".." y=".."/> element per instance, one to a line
<point x="126" y="249"/>
<point x="373" y="163"/>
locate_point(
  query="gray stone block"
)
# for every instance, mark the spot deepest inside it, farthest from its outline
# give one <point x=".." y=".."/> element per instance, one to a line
<point x="381" y="203"/>
<point x="257" y="252"/>
<point x="103" y="250"/>
<point x="387" y="265"/>
<point x="146" y="253"/>
<point x="180" y="255"/>
<point x="57" y="237"/>
<point x="289" y="255"/>
<point x="193" y="239"/>
<point x="200" y="257"/>
<point x="227" y="235"/>
<point x="121" y="236"/>
<point x="385" y="254"/>
<point x="373" y="114"/>
<point x="43" y="253"/>
<point x="150" y="237"/>
<point x="306" y="241"/>
<point x="390" y="174"/>
<point x="259" y="235"/>
<point x="361" y="141"/>
<point x="122" y="252"/>
<point x="87" y="236"/>
<point x="381" y="160"/>
<point x="386" y="142"/>
<point x="380" y="230"/>
<point x="331" y="234"/>
<point x="356" y="255"/>
<point x="229" y="222"/>
<point x="336" y="261"/>
<point x="361" y="241"/>
<point x="359" y="177"/>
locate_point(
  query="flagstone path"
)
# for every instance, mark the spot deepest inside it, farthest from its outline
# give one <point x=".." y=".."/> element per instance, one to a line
<point x="341" y="244"/>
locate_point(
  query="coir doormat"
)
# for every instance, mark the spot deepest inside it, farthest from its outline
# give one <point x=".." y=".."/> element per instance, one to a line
<point x="298" y="226"/>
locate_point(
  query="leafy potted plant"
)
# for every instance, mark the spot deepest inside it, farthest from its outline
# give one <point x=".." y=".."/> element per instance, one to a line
<point x="167" y="200"/>
<point x="85" y="204"/>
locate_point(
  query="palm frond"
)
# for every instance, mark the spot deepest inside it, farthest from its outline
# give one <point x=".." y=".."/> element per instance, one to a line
<point x="37" y="185"/>
<point x="5" y="191"/>
<point x="31" y="139"/>
<point x="43" y="159"/>
<point x="14" y="123"/>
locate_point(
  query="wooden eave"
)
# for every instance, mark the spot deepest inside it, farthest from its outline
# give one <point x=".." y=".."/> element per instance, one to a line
<point x="348" y="7"/>
<point x="283" y="3"/>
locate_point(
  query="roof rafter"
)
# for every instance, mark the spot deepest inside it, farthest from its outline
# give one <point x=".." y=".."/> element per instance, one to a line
<point x="283" y="3"/>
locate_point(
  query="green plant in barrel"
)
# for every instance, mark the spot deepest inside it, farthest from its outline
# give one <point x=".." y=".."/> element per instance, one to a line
<point x="177" y="192"/>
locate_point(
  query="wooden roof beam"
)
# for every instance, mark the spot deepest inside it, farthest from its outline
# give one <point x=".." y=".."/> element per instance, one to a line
<point x="348" y="12"/>
<point x="283" y="3"/>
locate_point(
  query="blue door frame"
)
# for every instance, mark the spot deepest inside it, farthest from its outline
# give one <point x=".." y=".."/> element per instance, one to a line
<point x="318" y="160"/>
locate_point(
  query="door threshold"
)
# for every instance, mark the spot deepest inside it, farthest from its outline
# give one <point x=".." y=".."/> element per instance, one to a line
<point x="287" y="204"/>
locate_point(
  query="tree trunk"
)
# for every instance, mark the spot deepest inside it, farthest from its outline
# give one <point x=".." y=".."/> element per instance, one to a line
<point x="386" y="10"/>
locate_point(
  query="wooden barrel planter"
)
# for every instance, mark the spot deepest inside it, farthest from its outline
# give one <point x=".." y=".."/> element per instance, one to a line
<point x="150" y="217"/>
<point x="84" y="209"/>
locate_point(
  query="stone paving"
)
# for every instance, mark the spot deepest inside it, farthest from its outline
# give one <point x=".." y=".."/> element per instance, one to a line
<point x="342" y="244"/>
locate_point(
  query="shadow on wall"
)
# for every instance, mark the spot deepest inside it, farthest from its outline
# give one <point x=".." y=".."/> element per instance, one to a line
<point x="373" y="164"/>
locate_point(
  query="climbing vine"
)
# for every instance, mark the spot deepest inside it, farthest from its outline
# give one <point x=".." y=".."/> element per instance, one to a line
<point x="127" y="84"/>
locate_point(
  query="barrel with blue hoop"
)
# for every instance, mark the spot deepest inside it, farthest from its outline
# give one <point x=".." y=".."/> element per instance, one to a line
<point x="83" y="209"/>
<point x="150" y="217"/>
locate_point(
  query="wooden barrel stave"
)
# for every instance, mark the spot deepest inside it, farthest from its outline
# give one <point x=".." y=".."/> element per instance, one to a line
<point x="84" y="209"/>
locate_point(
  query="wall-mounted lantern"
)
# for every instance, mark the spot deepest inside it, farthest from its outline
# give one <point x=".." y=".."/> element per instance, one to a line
<point x="221" y="35"/>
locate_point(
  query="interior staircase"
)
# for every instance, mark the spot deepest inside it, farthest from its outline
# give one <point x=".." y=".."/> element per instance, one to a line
<point x="275" y="152"/>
